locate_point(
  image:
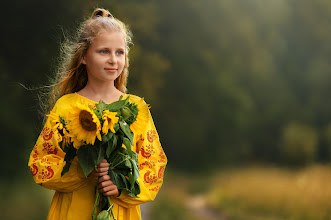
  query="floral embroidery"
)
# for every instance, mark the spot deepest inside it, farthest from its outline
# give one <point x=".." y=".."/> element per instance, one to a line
<point x="150" y="178"/>
<point x="45" y="161"/>
<point x="48" y="148"/>
<point x="147" y="151"/>
<point x="151" y="135"/>
<point x="155" y="189"/>
<point x="46" y="174"/>
<point x="161" y="172"/>
<point x="162" y="156"/>
<point x="35" y="153"/>
<point x="148" y="163"/>
<point x="47" y="134"/>
<point x="34" y="169"/>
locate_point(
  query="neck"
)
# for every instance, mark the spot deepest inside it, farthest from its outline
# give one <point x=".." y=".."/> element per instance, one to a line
<point x="106" y="92"/>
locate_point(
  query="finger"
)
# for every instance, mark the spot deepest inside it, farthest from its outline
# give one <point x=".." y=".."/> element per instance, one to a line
<point x="98" y="174"/>
<point x="104" y="178"/>
<point x="105" y="184"/>
<point x="103" y="163"/>
<point x="110" y="190"/>
<point x="102" y="169"/>
<point x="112" y="193"/>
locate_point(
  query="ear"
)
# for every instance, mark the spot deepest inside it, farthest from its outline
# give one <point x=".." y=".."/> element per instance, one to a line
<point x="83" y="61"/>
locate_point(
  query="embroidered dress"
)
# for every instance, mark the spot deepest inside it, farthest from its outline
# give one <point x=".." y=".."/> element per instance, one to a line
<point x="74" y="193"/>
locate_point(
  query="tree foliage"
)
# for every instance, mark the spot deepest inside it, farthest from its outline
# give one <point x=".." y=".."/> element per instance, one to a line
<point x="225" y="78"/>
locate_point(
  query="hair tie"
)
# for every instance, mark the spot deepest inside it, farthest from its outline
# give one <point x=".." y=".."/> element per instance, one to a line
<point x="99" y="13"/>
<point x="102" y="13"/>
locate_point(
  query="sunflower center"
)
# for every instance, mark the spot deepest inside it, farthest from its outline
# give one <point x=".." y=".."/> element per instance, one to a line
<point x="86" y="121"/>
<point x="109" y="120"/>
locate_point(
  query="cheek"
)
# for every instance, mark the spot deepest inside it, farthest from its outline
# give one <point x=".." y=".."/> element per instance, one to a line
<point x="122" y="63"/>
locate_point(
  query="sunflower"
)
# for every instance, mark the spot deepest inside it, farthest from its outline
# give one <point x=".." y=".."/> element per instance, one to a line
<point x="109" y="120"/>
<point x="58" y="125"/>
<point x="142" y="117"/>
<point x="55" y="121"/>
<point x="83" y="125"/>
<point x="76" y="143"/>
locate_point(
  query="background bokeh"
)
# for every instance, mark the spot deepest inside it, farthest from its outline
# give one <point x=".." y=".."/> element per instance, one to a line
<point x="240" y="95"/>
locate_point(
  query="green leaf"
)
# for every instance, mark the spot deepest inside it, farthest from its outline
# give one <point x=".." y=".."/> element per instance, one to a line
<point x="101" y="106"/>
<point x="118" y="158"/>
<point x="126" y="130"/>
<point x="107" y="137"/>
<point x="101" y="153"/>
<point x="135" y="172"/>
<point x="104" y="215"/>
<point x="110" y="148"/>
<point x="87" y="157"/>
<point x="115" y="106"/>
<point x="127" y="144"/>
<point x="71" y="153"/>
<point x="114" y="177"/>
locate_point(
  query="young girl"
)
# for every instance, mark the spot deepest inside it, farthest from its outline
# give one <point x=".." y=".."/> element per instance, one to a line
<point x="97" y="69"/>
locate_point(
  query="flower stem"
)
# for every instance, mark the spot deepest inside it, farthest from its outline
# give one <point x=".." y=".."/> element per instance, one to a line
<point x="111" y="208"/>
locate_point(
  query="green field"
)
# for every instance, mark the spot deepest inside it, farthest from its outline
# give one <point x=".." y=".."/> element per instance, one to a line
<point x="253" y="193"/>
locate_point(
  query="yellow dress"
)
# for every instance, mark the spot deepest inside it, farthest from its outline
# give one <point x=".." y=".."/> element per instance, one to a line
<point x="74" y="193"/>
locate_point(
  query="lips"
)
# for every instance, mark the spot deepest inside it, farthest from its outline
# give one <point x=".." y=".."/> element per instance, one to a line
<point x="111" y="69"/>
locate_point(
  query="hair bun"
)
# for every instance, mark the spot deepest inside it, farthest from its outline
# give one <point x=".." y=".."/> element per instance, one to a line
<point x="99" y="12"/>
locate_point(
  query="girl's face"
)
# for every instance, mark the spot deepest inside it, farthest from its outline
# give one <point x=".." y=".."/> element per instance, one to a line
<point x="105" y="58"/>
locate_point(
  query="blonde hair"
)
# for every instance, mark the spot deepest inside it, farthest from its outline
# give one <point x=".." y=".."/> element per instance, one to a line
<point x="72" y="74"/>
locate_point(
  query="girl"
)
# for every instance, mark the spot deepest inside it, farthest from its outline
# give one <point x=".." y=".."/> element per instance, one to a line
<point x="97" y="69"/>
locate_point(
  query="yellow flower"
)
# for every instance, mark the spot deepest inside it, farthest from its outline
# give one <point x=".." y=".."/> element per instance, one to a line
<point x="83" y="125"/>
<point x="55" y="121"/>
<point x="142" y="117"/>
<point x="58" y="127"/>
<point x="109" y="120"/>
<point x="76" y="143"/>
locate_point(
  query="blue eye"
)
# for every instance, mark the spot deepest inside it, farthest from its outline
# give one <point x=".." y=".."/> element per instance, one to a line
<point x="120" y="52"/>
<point x="103" y="51"/>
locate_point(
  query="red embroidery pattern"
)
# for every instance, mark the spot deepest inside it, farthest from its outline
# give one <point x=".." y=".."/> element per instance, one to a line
<point x="45" y="161"/>
<point x="155" y="189"/>
<point x="47" y="134"/>
<point x="150" y="178"/>
<point x="46" y="174"/>
<point x="162" y="157"/>
<point x="161" y="172"/>
<point x="59" y="137"/>
<point x="151" y="135"/>
<point x="35" y="153"/>
<point x="34" y="169"/>
<point x="148" y="163"/>
<point x="147" y="151"/>
<point x="48" y="148"/>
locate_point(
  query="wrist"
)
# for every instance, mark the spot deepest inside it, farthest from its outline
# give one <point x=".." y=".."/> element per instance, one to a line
<point x="119" y="192"/>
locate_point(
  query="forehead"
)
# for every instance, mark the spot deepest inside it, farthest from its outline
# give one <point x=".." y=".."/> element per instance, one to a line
<point x="109" y="39"/>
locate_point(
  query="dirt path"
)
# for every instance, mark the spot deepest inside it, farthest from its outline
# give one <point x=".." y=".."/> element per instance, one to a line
<point x="198" y="205"/>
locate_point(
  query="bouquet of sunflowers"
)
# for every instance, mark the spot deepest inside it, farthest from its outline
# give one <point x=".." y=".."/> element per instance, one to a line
<point x="97" y="133"/>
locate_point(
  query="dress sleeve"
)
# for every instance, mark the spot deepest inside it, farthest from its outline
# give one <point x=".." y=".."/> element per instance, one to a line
<point x="47" y="160"/>
<point x="152" y="162"/>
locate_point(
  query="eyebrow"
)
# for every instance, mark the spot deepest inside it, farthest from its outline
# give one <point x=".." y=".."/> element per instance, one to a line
<point x="102" y="48"/>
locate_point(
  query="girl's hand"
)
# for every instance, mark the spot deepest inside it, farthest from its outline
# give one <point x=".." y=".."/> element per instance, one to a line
<point x="101" y="170"/>
<point x="107" y="187"/>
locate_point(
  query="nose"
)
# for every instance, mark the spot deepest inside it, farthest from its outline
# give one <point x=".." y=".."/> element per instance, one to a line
<point x="111" y="58"/>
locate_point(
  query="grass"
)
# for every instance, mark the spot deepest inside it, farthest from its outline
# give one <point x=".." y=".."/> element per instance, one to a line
<point x="273" y="194"/>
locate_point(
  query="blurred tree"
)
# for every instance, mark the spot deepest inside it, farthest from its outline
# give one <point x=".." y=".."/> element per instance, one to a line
<point x="299" y="144"/>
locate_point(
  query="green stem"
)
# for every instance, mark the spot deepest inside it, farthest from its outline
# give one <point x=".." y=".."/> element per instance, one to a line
<point x="119" y="162"/>
<point x="111" y="208"/>
<point x="96" y="203"/>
